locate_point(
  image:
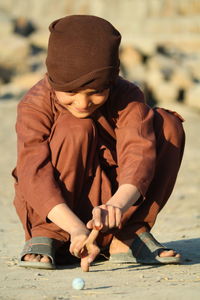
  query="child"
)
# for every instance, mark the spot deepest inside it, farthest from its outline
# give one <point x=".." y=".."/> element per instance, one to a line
<point x="92" y="154"/>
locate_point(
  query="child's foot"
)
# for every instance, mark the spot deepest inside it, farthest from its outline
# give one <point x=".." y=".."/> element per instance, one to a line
<point x="118" y="246"/>
<point x="36" y="258"/>
<point x="144" y="249"/>
<point x="38" y="252"/>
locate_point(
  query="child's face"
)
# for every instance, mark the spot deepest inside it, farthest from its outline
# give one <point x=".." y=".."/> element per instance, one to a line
<point x="82" y="103"/>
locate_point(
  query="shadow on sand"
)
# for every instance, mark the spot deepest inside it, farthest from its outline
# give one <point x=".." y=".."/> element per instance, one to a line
<point x="188" y="248"/>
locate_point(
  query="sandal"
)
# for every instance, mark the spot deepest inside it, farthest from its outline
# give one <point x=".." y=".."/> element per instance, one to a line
<point x="38" y="245"/>
<point x="145" y="250"/>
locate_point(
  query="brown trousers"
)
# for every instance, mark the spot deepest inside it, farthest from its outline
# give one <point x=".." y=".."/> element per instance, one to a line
<point x="76" y="155"/>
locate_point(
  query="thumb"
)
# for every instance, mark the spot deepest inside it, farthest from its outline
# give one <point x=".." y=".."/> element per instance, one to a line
<point x="90" y="224"/>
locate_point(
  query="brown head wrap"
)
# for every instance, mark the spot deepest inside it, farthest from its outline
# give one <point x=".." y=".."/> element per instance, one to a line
<point x="82" y="53"/>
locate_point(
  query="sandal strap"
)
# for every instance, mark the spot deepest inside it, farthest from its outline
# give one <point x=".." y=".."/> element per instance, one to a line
<point x="40" y="245"/>
<point x="145" y="249"/>
<point x="145" y="245"/>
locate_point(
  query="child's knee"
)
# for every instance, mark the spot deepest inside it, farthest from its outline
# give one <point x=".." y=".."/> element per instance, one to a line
<point x="72" y="132"/>
<point x="172" y="127"/>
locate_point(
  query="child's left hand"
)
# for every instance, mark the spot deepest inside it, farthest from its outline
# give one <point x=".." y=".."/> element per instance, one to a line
<point x="105" y="217"/>
<point x="109" y="215"/>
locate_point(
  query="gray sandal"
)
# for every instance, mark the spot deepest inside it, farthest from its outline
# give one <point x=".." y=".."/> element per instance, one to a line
<point x="38" y="245"/>
<point x="145" y="250"/>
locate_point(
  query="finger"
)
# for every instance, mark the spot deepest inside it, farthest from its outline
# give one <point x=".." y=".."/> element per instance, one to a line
<point x="76" y="248"/>
<point x="85" y="264"/>
<point x="76" y="252"/>
<point x="97" y="218"/>
<point x="118" y="217"/>
<point x="88" y="255"/>
<point x="111" y="216"/>
<point x="90" y="224"/>
<point x="104" y="217"/>
<point x="92" y="237"/>
<point x="93" y="251"/>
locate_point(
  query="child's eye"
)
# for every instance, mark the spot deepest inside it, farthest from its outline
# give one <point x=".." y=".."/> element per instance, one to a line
<point x="98" y="92"/>
<point x="70" y="92"/>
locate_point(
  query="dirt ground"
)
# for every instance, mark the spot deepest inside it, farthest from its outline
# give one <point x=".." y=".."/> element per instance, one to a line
<point x="178" y="226"/>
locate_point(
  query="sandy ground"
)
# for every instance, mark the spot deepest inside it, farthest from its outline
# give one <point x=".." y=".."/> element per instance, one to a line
<point x="177" y="226"/>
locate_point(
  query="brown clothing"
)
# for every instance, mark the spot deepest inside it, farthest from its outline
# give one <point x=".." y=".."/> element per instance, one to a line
<point x="62" y="158"/>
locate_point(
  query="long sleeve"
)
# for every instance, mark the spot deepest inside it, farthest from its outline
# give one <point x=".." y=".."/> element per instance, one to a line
<point x="135" y="139"/>
<point x="136" y="149"/>
<point x="35" y="173"/>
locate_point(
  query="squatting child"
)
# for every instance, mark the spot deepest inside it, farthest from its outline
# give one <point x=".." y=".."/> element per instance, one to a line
<point x="92" y="154"/>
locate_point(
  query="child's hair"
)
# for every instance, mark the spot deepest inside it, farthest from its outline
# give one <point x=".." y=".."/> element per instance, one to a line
<point x="83" y="52"/>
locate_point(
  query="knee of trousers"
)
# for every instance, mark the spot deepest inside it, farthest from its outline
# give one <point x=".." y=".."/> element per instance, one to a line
<point x="71" y="128"/>
<point x="172" y="127"/>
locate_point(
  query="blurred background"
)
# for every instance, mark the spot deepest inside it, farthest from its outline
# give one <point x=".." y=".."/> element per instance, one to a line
<point x="159" y="50"/>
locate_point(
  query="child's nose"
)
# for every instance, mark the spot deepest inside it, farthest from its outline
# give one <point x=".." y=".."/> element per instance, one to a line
<point x="83" y="101"/>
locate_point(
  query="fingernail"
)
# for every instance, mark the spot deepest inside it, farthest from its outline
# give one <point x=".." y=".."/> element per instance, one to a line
<point x="97" y="227"/>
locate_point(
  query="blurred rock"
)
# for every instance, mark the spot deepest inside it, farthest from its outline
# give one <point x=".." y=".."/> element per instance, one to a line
<point x="193" y="96"/>
<point x="39" y="39"/>
<point x="166" y="91"/>
<point x="36" y="63"/>
<point x="130" y="56"/>
<point x="23" y="26"/>
<point x="6" y="27"/>
<point x="26" y="81"/>
<point x="5" y="74"/>
<point x="192" y="63"/>
<point x="145" y="44"/>
<point x="131" y="61"/>
<point x="10" y="91"/>
<point x="165" y="64"/>
<point x="188" y="43"/>
<point x="14" y="52"/>
<point x="153" y="78"/>
<point x="182" y="78"/>
<point x="19" y="86"/>
<point x="137" y="73"/>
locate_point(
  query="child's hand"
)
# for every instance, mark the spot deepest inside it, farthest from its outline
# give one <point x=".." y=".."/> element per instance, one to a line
<point x="109" y="215"/>
<point x="80" y="248"/>
<point x="105" y="217"/>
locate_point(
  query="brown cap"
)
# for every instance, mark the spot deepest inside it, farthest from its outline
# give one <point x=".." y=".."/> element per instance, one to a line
<point x="83" y="52"/>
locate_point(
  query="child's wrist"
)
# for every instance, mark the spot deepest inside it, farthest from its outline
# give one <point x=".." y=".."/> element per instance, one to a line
<point x="125" y="197"/>
<point x="82" y="230"/>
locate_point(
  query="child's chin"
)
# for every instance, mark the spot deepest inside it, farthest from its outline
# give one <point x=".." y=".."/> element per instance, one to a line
<point x="81" y="115"/>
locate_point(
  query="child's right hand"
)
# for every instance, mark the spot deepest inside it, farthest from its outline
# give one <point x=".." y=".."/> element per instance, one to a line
<point x="79" y="248"/>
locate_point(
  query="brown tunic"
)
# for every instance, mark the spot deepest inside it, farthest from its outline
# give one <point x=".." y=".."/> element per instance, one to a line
<point x="82" y="161"/>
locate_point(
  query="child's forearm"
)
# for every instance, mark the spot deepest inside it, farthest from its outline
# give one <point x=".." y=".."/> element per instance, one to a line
<point x="125" y="197"/>
<point x="64" y="218"/>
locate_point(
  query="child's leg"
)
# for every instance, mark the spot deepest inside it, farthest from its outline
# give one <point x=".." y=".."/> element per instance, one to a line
<point x="170" y="145"/>
<point x="74" y="153"/>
